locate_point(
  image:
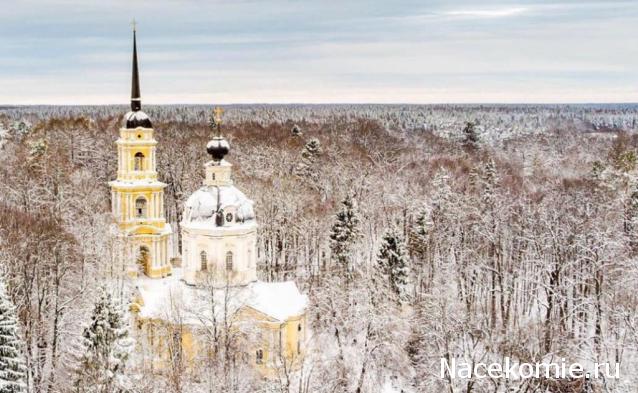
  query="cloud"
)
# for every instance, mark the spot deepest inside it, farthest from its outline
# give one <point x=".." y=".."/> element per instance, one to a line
<point x="488" y="13"/>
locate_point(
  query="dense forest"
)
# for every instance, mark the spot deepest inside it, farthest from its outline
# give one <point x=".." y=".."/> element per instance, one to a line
<point x="419" y="233"/>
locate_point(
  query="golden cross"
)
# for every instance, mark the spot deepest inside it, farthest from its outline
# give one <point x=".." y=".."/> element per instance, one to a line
<point x="134" y="24"/>
<point x="218" y="114"/>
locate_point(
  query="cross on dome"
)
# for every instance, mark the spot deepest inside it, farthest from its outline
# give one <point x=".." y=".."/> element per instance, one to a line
<point x="218" y="111"/>
<point x="217" y="147"/>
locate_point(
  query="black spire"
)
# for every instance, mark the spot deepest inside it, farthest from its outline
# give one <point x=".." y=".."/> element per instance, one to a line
<point x="136" y="118"/>
<point x="136" y="100"/>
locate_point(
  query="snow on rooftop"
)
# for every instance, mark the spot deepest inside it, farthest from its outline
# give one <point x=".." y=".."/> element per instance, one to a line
<point x="136" y="182"/>
<point x="135" y="115"/>
<point x="203" y="203"/>
<point x="280" y="300"/>
<point x="173" y="300"/>
<point x="218" y="143"/>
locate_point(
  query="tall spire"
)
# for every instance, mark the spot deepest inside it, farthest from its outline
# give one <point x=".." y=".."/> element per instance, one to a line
<point x="136" y="99"/>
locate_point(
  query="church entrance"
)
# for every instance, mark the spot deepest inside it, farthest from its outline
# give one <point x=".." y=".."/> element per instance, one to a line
<point x="143" y="259"/>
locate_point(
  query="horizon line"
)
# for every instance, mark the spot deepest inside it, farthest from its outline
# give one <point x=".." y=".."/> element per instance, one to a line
<point x="495" y="103"/>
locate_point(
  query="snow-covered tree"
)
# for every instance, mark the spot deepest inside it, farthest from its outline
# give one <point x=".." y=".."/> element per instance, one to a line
<point x="631" y="218"/>
<point x="418" y="242"/>
<point x="306" y="167"/>
<point x="105" y="349"/>
<point x="442" y="195"/>
<point x="312" y="148"/>
<point x="392" y="263"/>
<point x="490" y="179"/>
<point x="470" y="136"/>
<point x="12" y="368"/>
<point x="345" y="233"/>
<point x="38" y="148"/>
<point x="422" y="225"/>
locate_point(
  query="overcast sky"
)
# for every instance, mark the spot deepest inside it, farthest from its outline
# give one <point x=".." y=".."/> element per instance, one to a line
<point x="336" y="51"/>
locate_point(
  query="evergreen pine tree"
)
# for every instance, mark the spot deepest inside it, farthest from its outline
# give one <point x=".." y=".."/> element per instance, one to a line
<point x="419" y="232"/>
<point x="345" y="233"/>
<point x="12" y="368"/>
<point x="470" y="136"/>
<point x="105" y="350"/>
<point x="296" y="130"/>
<point x="306" y="168"/>
<point x="631" y="218"/>
<point x="490" y="180"/>
<point x="392" y="263"/>
<point x="312" y="148"/>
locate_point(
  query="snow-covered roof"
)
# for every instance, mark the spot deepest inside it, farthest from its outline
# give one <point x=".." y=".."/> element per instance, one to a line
<point x="134" y="119"/>
<point x="203" y="205"/>
<point x="171" y="299"/>
<point x="137" y="183"/>
<point x="280" y="300"/>
<point x="218" y="142"/>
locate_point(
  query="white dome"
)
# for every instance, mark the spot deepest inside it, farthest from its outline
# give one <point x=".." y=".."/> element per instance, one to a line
<point x="203" y="205"/>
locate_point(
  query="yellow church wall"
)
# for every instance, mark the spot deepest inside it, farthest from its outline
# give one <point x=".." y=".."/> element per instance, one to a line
<point x="157" y="343"/>
<point x="285" y="334"/>
<point x="193" y="344"/>
<point x="125" y="216"/>
<point x="293" y="336"/>
<point x="131" y="142"/>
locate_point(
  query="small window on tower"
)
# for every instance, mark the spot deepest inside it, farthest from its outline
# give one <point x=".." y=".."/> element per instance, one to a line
<point x="259" y="356"/>
<point x="140" y="207"/>
<point x="203" y="260"/>
<point x="139" y="161"/>
<point x="212" y="176"/>
<point x="229" y="261"/>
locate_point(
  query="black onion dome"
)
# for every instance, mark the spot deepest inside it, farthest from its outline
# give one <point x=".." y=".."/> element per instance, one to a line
<point x="137" y="119"/>
<point x="218" y="147"/>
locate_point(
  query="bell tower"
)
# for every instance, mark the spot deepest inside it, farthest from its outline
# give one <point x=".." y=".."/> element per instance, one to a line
<point x="137" y="197"/>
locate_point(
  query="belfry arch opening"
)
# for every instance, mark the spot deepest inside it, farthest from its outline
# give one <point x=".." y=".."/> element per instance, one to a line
<point x="139" y="161"/>
<point x="140" y="207"/>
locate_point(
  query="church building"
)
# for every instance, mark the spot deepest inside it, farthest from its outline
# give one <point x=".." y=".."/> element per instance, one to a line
<point x="214" y="284"/>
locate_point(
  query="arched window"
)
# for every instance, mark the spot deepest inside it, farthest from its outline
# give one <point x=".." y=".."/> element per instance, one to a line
<point x="139" y="161"/>
<point x="229" y="261"/>
<point x="259" y="356"/>
<point x="203" y="260"/>
<point x="140" y="207"/>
